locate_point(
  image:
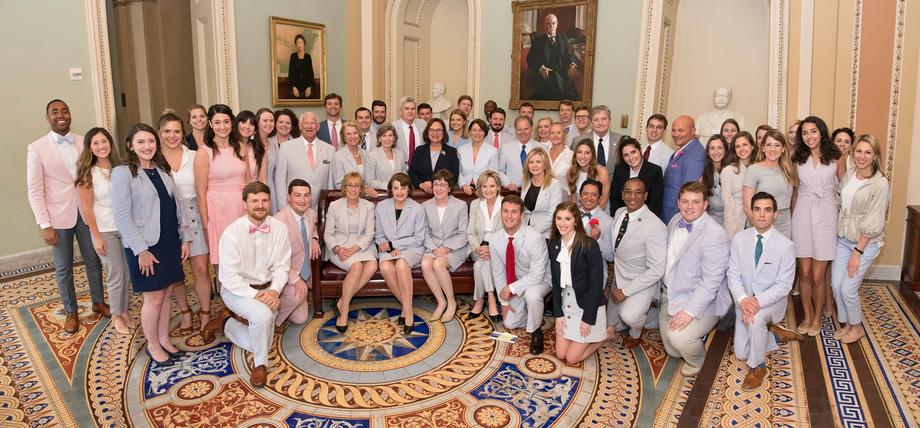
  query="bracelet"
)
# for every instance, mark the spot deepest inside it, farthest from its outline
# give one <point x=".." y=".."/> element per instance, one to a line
<point x="858" y="250"/>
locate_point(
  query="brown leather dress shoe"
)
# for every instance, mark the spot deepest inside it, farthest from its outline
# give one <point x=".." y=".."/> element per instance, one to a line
<point x="630" y="343"/>
<point x="784" y="334"/>
<point x="102" y="309"/>
<point x="257" y="379"/>
<point x="216" y="324"/>
<point x="72" y="323"/>
<point x="754" y="378"/>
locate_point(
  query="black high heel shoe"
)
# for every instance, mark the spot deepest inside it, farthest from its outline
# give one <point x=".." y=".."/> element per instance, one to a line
<point x="473" y="315"/>
<point x="175" y="355"/>
<point x="407" y="329"/>
<point x="168" y="362"/>
<point x="335" y="309"/>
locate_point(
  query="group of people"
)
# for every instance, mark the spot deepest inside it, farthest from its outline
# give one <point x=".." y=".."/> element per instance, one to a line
<point x="596" y="225"/>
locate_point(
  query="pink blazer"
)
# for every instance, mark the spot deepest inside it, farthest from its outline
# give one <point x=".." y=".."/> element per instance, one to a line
<point x="287" y="216"/>
<point x="52" y="195"/>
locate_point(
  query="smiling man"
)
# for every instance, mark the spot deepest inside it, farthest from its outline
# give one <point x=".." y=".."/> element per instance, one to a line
<point x="51" y="167"/>
<point x="684" y="166"/>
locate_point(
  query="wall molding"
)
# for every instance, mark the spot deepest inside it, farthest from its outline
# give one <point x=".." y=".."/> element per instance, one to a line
<point x="894" y="101"/>
<point x="101" y="63"/>
<point x="854" y="75"/>
<point x="225" y="49"/>
<point x="779" y="59"/>
<point x="647" y="73"/>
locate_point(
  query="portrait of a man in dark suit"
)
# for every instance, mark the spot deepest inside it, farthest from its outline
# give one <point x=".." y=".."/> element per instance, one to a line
<point x="551" y="64"/>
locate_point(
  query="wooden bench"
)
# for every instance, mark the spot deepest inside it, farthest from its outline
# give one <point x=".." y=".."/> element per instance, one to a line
<point x="327" y="278"/>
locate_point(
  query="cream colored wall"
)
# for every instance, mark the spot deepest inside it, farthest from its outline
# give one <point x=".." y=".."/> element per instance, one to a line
<point x="34" y="71"/>
<point x="720" y="43"/>
<point x="448" y="49"/>
<point x="616" y="58"/>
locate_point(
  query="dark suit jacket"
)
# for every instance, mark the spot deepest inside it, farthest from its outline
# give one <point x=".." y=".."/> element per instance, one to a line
<point x="650" y="174"/>
<point x="588" y="269"/>
<point x="421" y="171"/>
<point x="557" y="58"/>
<point x="323" y="133"/>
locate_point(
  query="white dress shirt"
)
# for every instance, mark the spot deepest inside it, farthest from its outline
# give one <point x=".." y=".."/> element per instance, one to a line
<point x="675" y="243"/>
<point x="660" y="154"/>
<point x="185" y="176"/>
<point x="254" y="258"/>
<point x="605" y="143"/>
<point x="68" y="151"/>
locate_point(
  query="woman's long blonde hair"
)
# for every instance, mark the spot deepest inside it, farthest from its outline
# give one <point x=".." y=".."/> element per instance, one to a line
<point x="785" y="159"/>
<point x="547" y="167"/>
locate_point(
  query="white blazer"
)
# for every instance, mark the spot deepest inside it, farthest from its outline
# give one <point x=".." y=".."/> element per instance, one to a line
<point x="470" y="170"/>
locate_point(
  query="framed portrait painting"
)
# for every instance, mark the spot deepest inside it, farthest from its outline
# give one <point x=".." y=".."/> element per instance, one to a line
<point x="298" y="62"/>
<point x="552" y="52"/>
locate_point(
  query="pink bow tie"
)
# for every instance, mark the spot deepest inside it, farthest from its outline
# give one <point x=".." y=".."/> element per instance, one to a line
<point x="261" y="228"/>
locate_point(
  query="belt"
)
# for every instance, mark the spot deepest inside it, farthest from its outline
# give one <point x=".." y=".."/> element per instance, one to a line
<point x="260" y="286"/>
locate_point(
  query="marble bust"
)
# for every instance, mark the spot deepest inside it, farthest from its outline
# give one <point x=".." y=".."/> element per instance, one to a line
<point x="440" y="107"/>
<point x="710" y="122"/>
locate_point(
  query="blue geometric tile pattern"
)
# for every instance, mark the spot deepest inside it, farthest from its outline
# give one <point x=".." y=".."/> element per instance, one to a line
<point x="841" y="378"/>
<point x="373" y="344"/>
<point x="301" y="420"/>
<point x="539" y="401"/>
<point x="214" y="361"/>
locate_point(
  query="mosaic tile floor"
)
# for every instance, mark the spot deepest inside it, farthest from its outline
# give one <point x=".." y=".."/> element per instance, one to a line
<point x="442" y="375"/>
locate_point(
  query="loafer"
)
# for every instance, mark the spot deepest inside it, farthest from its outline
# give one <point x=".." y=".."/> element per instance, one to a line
<point x="215" y="324"/>
<point x="72" y="323"/>
<point x="102" y="309"/>
<point x="754" y="378"/>
<point x="784" y="334"/>
<point x="258" y="376"/>
<point x="630" y="343"/>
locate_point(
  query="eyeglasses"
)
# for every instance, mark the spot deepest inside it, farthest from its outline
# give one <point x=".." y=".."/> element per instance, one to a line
<point x="435" y="130"/>
<point x="581" y="116"/>
<point x="439" y="184"/>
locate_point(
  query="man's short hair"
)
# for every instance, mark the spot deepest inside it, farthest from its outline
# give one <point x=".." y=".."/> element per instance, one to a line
<point x="254" y="188"/>
<point x="600" y="108"/>
<point x="332" y="95"/>
<point x="526" y="105"/>
<point x="58" y="100"/>
<point x="763" y="195"/>
<point x="424" y="106"/>
<point x="515" y="200"/>
<point x="566" y="103"/>
<point x="582" y="107"/>
<point x="359" y="109"/>
<point x="464" y="97"/>
<point x="378" y="103"/>
<point x="591" y="182"/>
<point x="693" y="187"/>
<point x="298" y="182"/>
<point x="523" y="118"/>
<point x="636" y="180"/>
<point x="659" y="117"/>
<point x="497" y="110"/>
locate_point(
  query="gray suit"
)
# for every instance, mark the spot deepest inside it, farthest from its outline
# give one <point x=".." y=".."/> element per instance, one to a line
<point x="769" y="282"/>
<point x="292" y="163"/>
<point x="406" y="234"/>
<point x="343" y="163"/>
<point x="370" y="140"/>
<point x="377" y="168"/>
<point x="402" y="140"/>
<point x="136" y="208"/>
<point x="639" y="264"/>
<point x="510" y="167"/>
<point x="611" y="139"/>
<point x="448" y="232"/>
<point x="476" y="233"/>
<point x="695" y="284"/>
<point x="531" y="267"/>
<point x="541" y="218"/>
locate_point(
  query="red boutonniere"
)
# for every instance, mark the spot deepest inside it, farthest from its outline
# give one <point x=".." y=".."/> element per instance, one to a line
<point x="593" y="222"/>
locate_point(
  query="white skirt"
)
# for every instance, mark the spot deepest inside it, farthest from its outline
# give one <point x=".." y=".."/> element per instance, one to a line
<point x="572" y="313"/>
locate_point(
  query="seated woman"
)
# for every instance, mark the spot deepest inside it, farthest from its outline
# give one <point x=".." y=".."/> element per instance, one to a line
<point x="435" y="154"/>
<point x="577" y="271"/>
<point x="476" y="157"/>
<point x="541" y="192"/>
<point x="630" y="163"/>
<point x="385" y="161"/>
<point x="400" y="236"/>
<point x="584" y="166"/>
<point x="350" y="158"/>
<point x="484" y="219"/>
<point x="446" y="246"/>
<point x="349" y="235"/>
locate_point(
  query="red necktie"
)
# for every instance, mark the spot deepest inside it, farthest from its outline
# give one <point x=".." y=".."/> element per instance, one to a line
<point x="411" y="143"/>
<point x="495" y="139"/>
<point x="334" y="136"/>
<point x="648" y="151"/>
<point x="509" y="262"/>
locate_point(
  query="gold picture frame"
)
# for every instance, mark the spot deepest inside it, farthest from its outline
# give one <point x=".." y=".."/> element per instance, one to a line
<point x="283" y="48"/>
<point x="536" y="57"/>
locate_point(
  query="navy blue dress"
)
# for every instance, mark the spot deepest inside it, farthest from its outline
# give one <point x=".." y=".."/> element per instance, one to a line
<point x="168" y="250"/>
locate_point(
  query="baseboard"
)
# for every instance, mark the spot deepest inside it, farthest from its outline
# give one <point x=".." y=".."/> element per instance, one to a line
<point x="884" y="272"/>
<point x="30" y="261"/>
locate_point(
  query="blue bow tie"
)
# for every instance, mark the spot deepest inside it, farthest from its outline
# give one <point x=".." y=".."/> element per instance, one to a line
<point x="684" y="225"/>
<point x="63" y="138"/>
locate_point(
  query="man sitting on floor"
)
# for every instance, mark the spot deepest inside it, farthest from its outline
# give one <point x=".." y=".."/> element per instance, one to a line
<point x="255" y="257"/>
<point x="760" y="273"/>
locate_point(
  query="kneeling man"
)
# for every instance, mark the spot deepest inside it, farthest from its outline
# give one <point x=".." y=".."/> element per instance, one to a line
<point x="520" y="265"/>
<point x="255" y="257"/>
<point x="760" y="275"/>
<point x="300" y="221"/>
<point x="639" y="253"/>
<point x="695" y="291"/>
